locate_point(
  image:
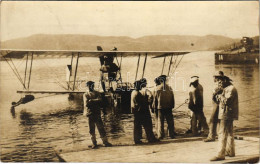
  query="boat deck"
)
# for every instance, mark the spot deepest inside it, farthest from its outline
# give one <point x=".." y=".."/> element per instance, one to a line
<point x="184" y="150"/>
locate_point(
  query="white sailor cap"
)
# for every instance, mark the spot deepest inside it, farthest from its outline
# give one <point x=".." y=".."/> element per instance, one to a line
<point x="194" y="78"/>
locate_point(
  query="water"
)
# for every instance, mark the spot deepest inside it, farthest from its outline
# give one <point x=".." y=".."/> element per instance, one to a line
<point x="52" y="122"/>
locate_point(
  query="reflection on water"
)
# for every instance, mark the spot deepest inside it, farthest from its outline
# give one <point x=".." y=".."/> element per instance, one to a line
<point x="31" y="132"/>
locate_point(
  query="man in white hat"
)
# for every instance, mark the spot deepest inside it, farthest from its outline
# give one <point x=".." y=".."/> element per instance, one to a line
<point x="196" y="106"/>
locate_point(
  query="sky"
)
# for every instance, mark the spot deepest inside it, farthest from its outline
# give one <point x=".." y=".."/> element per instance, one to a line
<point x="134" y="19"/>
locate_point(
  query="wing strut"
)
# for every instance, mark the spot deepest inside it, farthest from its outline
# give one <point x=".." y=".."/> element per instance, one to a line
<point x="170" y="65"/>
<point x="25" y="72"/>
<point x="28" y="86"/>
<point x="137" y="66"/>
<point x="163" y="64"/>
<point x="76" y="70"/>
<point x="119" y="66"/>
<point x="144" y="64"/>
<point x="72" y="54"/>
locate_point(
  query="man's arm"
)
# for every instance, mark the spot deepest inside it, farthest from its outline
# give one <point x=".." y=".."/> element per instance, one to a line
<point x="84" y="105"/>
<point x="134" y="102"/>
<point x="173" y="100"/>
<point x="150" y="99"/>
<point x="191" y="101"/>
<point x="228" y="97"/>
<point x="155" y="101"/>
<point x="217" y="91"/>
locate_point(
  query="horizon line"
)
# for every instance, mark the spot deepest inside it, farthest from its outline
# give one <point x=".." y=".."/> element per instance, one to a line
<point x="126" y="36"/>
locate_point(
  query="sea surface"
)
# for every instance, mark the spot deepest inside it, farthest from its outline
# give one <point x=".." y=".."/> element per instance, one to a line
<point x="35" y="130"/>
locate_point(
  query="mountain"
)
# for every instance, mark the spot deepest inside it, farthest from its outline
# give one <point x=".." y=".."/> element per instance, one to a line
<point x="146" y="43"/>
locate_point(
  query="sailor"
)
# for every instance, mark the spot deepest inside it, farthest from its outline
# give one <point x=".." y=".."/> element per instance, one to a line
<point x="164" y="103"/>
<point x="215" y="107"/>
<point x="142" y="117"/>
<point x="196" y="106"/>
<point x="228" y="112"/>
<point x="92" y="101"/>
<point x="147" y="102"/>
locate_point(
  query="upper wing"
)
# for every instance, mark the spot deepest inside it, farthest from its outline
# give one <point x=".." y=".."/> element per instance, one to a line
<point x="20" y="53"/>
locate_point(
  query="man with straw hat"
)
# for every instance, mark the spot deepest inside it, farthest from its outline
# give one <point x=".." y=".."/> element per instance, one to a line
<point x="215" y="107"/>
<point x="228" y="112"/>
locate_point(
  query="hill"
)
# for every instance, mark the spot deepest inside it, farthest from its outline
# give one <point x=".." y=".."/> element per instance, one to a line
<point x="146" y="43"/>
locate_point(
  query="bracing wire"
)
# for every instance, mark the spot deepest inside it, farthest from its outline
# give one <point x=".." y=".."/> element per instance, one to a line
<point x="57" y="77"/>
<point x="13" y="71"/>
<point x="16" y="69"/>
<point x="178" y="64"/>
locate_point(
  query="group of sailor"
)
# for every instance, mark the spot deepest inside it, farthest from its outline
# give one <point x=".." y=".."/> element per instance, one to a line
<point x="161" y="102"/>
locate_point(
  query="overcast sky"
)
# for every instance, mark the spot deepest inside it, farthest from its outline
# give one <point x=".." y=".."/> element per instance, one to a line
<point x="135" y="19"/>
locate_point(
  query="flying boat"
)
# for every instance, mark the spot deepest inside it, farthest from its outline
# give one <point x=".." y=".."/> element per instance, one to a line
<point x="115" y="91"/>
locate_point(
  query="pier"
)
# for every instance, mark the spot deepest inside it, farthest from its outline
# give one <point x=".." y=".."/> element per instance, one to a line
<point x="184" y="150"/>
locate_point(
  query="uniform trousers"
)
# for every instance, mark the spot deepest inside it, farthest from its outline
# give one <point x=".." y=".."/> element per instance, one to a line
<point x="145" y="120"/>
<point x="198" y="116"/>
<point x="213" y="122"/>
<point x="93" y="121"/>
<point x="165" y="114"/>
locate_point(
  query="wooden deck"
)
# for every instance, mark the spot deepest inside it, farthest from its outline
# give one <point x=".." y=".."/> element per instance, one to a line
<point x="184" y="150"/>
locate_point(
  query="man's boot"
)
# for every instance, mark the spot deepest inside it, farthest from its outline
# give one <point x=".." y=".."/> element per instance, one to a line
<point x="94" y="145"/>
<point x="105" y="142"/>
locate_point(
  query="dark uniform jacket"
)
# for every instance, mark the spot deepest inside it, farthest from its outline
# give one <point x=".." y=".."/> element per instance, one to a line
<point x="163" y="97"/>
<point x="92" y="103"/>
<point x="196" y="99"/>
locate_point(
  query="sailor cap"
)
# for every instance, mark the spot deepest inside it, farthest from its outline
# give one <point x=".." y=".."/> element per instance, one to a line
<point x="194" y="78"/>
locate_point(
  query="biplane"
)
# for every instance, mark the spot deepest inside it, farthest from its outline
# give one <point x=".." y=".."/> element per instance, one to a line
<point x="115" y="91"/>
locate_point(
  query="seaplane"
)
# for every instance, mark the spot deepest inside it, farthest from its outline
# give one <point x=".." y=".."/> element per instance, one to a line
<point x="115" y="92"/>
